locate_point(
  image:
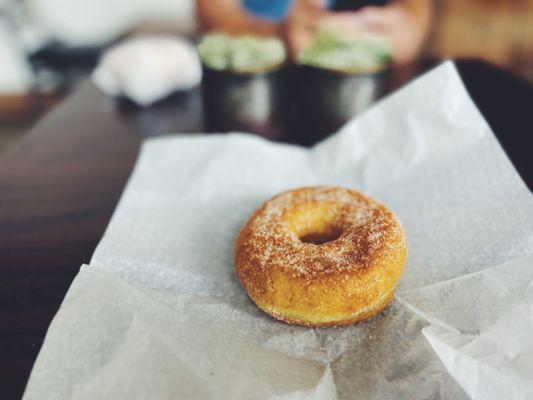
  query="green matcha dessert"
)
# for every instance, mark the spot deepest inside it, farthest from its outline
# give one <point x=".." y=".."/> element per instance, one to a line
<point x="244" y="54"/>
<point x="329" y="50"/>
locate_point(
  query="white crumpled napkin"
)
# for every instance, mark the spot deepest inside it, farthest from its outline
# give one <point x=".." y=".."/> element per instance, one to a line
<point x="148" y="68"/>
<point x="489" y="349"/>
<point x="160" y="313"/>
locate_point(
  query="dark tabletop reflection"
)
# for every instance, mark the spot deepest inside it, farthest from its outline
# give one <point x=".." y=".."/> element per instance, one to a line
<point x="294" y="104"/>
<point x="179" y="113"/>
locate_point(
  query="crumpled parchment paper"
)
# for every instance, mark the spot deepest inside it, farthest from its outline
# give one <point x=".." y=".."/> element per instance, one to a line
<point x="160" y="313"/>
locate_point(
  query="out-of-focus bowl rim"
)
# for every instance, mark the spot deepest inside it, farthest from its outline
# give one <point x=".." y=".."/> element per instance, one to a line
<point x="272" y="70"/>
<point x="344" y="74"/>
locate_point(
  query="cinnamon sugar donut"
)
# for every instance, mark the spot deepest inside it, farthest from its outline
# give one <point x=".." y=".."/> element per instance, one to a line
<point x="321" y="256"/>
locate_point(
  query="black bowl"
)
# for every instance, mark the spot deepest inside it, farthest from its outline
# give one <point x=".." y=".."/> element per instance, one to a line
<point x="247" y="102"/>
<point x="327" y="99"/>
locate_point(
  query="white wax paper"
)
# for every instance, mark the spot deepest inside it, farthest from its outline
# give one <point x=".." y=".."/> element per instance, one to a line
<point x="160" y="312"/>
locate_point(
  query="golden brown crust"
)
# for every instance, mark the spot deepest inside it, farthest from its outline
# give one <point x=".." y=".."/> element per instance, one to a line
<point x="347" y="279"/>
<point x="361" y="316"/>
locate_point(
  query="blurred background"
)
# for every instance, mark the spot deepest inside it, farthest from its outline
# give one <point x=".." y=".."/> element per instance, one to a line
<point x="47" y="47"/>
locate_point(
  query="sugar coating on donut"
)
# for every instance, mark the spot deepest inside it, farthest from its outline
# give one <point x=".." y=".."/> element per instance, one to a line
<point x="321" y="256"/>
<point x="360" y="229"/>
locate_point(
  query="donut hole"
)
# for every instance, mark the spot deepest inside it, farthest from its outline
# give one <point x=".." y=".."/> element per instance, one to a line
<point x="319" y="238"/>
<point x="315" y="223"/>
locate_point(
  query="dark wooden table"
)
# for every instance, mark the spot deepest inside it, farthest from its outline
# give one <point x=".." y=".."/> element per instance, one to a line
<point x="60" y="184"/>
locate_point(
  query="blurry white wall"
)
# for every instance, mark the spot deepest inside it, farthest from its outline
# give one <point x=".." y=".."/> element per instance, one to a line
<point x="15" y="73"/>
<point x="93" y="22"/>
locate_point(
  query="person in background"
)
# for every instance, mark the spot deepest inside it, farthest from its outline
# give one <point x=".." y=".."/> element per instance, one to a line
<point x="403" y="23"/>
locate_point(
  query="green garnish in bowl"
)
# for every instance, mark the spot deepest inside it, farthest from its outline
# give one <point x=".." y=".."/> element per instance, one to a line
<point x="329" y="50"/>
<point x="245" y="54"/>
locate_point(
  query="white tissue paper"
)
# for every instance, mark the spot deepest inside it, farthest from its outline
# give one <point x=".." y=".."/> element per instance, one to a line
<point x="160" y="312"/>
<point x="149" y="68"/>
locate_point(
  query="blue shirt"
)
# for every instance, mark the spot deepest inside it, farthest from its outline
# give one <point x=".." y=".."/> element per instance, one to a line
<point x="276" y="10"/>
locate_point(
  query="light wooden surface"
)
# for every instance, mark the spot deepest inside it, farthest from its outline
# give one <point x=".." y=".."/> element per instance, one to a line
<point x="498" y="31"/>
